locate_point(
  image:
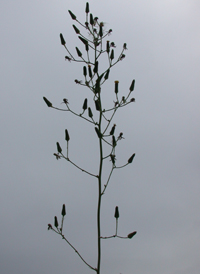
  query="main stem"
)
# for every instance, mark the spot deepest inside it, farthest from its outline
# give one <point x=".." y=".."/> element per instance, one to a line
<point x="99" y="195"/>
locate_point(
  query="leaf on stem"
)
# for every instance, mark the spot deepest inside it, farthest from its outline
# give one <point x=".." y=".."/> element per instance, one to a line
<point x="49" y="104"/>
<point x="116" y="212"/>
<point x="130" y="160"/>
<point x="59" y="148"/>
<point x="72" y="15"/>
<point x="63" y="212"/>
<point x="55" y="222"/>
<point x="62" y="40"/>
<point x="67" y="135"/>
<point x="130" y="235"/>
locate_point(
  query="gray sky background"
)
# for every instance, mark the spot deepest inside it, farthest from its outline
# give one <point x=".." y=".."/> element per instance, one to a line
<point x="158" y="195"/>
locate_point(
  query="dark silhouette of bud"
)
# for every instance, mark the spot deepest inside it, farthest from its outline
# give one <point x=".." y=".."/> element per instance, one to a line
<point x="62" y="39"/>
<point x="96" y="67"/>
<point x="85" y="104"/>
<point x="112" y="54"/>
<point x="76" y="29"/>
<point x="49" y="104"/>
<point x="63" y="212"/>
<point x="130" y="160"/>
<point x="91" y="19"/>
<point x="78" y="52"/>
<point x="113" y="141"/>
<point x="97" y="87"/>
<point x="116" y="86"/>
<point x="132" y="100"/>
<point x="97" y="104"/>
<point x="83" y="40"/>
<point x="90" y="114"/>
<point x="108" y="46"/>
<point x="66" y="135"/>
<point x="59" y="149"/>
<point x="49" y="226"/>
<point x="98" y="132"/>
<point x="132" y="85"/>
<point x="90" y="71"/>
<point x="107" y="74"/>
<point x="116" y="212"/>
<point x="55" y="222"/>
<point x="113" y="158"/>
<point x="86" y="47"/>
<point x="124" y="46"/>
<point x="130" y="235"/>
<point x="87" y="8"/>
<point x="72" y="15"/>
<point x="85" y="71"/>
<point x="101" y="31"/>
<point x="112" y="130"/>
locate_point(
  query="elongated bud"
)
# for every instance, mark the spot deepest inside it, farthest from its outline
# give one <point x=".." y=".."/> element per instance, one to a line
<point x="66" y="135"/>
<point x="78" y="52"/>
<point x="76" y="29"/>
<point x="116" y="212"/>
<point x="90" y="114"/>
<point x="91" y="19"/>
<point x="98" y="132"/>
<point x="116" y="86"/>
<point x="112" y="130"/>
<point x="130" y="160"/>
<point x="107" y="74"/>
<point x="96" y="67"/>
<point x="108" y="46"/>
<point x="63" y="212"/>
<point x="85" y="71"/>
<point x="86" y="47"/>
<point x="101" y="31"/>
<point x="62" y="40"/>
<point x="72" y="15"/>
<point x="124" y="46"/>
<point x="97" y="87"/>
<point x="114" y="141"/>
<point x="90" y="71"/>
<point x="130" y="235"/>
<point x="49" y="226"/>
<point x="55" y="222"/>
<point x="132" y="85"/>
<point x="85" y="42"/>
<point x="97" y="104"/>
<point x="87" y="8"/>
<point x="85" y="104"/>
<point x="112" y="54"/>
<point x="49" y="104"/>
<point x="59" y="149"/>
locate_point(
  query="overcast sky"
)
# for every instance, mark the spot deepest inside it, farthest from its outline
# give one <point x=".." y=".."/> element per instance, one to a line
<point x="158" y="195"/>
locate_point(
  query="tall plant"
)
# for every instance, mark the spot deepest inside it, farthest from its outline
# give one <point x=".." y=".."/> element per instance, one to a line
<point x="94" y="79"/>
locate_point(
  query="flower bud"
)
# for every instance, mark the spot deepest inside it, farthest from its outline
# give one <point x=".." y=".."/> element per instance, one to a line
<point x="72" y="15"/>
<point x="85" y="104"/>
<point x="49" y="104"/>
<point x="63" y="212"/>
<point x="107" y="74"/>
<point x="90" y="71"/>
<point x="85" y="71"/>
<point x="62" y="39"/>
<point x="66" y="135"/>
<point x="132" y="85"/>
<point x="116" y="212"/>
<point x="49" y="226"/>
<point x="83" y="40"/>
<point x="112" y="54"/>
<point x="97" y="104"/>
<point x="90" y="114"/>
<point x="96" y="67"/>
<point x="116" y="86"/>
<point x="87" y="8"/>
<point x="55" y="222"/>
<point x="112" y="130"/>
<point x="107" y="46"/>
<point x="59" y="147"/>
<point x="124" y="46"/>
<point x="130" y="235"/>
<point x="113" y="141"/>
<point x="101" y="31"/>
<point x="91" y="19"/>
<point x="86" y="47"/>
<point x="130" y="160"/>
<point x="76" y="29"/>
<point x="98" y="132"/>
<point x="78" y="52"/>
